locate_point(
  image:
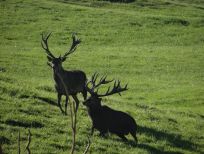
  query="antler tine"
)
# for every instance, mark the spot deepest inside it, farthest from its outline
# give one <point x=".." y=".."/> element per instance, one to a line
<point x="116" y="89"/>
<point x="94" y="78"/>
<point x="118" y="86"/>
<point x="75" y="42"/>
<point x="90" y="90"/>
<point x="44" y="44"/>
<point x="92" y="81"/>
<point x="103" y="80"/>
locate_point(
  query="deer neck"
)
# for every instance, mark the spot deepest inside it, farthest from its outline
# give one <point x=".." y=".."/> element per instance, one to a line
<point x="94" y="110"/>
<point x="58" y="72"/>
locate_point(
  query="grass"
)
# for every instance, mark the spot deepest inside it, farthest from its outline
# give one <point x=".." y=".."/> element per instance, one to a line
<point x="155" y="47"/>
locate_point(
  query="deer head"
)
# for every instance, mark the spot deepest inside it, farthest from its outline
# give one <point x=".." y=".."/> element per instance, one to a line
<point x="95" y="99"/>
<point x="56" y="63"/>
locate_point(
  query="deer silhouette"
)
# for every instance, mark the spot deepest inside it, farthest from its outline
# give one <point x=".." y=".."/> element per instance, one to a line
<point x="75" y="80"/>
<point x="104" y="118"/>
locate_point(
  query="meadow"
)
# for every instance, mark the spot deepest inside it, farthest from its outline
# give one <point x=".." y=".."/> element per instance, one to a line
<point x="157" y="47"/>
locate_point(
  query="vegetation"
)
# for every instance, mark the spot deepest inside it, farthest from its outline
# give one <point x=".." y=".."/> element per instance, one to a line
<point x="154" y="46"/>
<point x="121" y="1"/>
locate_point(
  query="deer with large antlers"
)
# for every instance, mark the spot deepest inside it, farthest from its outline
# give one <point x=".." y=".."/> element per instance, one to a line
<point x="105" y="119"/>
<point x="74" y="80"/>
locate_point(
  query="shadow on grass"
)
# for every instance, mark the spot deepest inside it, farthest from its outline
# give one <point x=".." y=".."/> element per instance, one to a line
<point x="58" y="146"/>
<point x="46" y="88"/>
<point x="33" y="124"/>
<point x="4" y="140"/>
<point x="30" y="112"/>
<point x="146" y="147"/>
<point x="44" y="99"/>
<point x="174" y="139"/>
<point x="154" y="150"/>
<point x="47" y="100"/>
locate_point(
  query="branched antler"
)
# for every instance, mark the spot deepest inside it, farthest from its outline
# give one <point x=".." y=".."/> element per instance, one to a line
<point x="116" y="89"/>
<point x="101" y="81"/>
<point x="44" y="44"/>
<point x="94" y="77"/>
<point x="75" y="42"/>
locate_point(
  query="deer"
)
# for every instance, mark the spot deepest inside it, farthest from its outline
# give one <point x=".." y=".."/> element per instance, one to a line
<point x="73" y="80"/>
<point x="104" y="118"/>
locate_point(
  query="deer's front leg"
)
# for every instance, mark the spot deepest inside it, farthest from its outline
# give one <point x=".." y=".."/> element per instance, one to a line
<point x="66" y="102"/>
<point x="59" y="96"/>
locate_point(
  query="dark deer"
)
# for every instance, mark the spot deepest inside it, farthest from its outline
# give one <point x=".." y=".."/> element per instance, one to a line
<point x="74" y="80"/>
<point x="105" y="119"/>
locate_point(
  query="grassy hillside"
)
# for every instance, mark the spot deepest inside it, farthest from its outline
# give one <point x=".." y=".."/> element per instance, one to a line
<point x="155" y="47"/>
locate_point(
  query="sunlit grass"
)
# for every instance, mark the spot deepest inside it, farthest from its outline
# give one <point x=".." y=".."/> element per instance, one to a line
<point x="155" y="47"/>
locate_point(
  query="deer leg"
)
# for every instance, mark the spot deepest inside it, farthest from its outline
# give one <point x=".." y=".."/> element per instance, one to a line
<point x="84" y="92"/>
<point x="134" y="136"/>
<point x="76" y="101"/>
<point x="66" y="102"/>
<point x="102" y="134"/>
<point x="59" y="96"/>
<point x="123" y="137"/>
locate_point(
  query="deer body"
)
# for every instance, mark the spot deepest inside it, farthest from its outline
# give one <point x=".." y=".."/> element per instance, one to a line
<point x="74" y="81"/>
<point x="105" y="119"/>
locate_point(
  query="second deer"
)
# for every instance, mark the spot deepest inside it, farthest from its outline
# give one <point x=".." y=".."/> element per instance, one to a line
<point x="104" y="118"/>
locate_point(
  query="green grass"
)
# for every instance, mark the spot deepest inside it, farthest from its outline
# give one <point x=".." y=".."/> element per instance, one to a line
<point x="154" y="46"/>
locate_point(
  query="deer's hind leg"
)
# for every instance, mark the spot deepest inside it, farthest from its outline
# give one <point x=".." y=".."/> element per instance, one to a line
<point x="133" y="133"/>
<point x="59" y="96"/>
<point x="76" y="101"/>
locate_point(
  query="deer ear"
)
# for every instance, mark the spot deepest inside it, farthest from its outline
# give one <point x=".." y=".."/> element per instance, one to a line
<point x="49" y="58"/>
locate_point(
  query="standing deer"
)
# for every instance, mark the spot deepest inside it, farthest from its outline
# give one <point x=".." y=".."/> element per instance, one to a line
<point x="105" y="119"/>
<point x="74" y="80"/>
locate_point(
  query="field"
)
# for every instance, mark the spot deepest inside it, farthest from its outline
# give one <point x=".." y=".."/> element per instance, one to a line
<point x="157" y="47"/>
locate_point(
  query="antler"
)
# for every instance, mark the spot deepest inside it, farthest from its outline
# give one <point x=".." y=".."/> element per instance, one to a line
<point x="44" y="44"/>
<point x="94" y="85"/>
<point x="75" y="42"/>
<point x="116" y="89"/>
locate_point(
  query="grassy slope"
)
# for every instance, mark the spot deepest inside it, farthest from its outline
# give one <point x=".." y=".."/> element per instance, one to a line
<point x="156" y="47"/>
